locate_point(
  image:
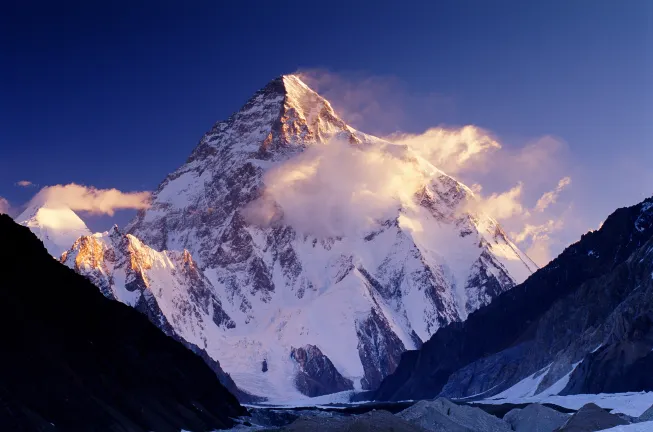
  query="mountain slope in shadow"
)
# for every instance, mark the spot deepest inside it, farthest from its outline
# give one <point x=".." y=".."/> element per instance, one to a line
<point x="74" y="360"/>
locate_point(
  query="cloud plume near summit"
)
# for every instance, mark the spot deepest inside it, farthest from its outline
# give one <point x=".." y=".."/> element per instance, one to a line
<point x="335" y="188"/>
<point x="89" y="199"/>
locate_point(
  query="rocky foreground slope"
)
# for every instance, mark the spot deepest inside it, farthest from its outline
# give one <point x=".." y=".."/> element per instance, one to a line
<point x="73" y="360"/>
<point x="582" y="324"/>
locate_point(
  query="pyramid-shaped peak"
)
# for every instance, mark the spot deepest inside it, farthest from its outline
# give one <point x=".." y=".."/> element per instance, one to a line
<point x="285" y="113"/>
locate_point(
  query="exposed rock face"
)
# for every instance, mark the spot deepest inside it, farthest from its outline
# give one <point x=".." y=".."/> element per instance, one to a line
<point x="646" y="415"/>
<point x="73" y="360"/>
<point x="621" y="366"/>
<point x="542" y="329"/>
<point x="535" y="418"/>
<point x="379" y="349"/>
<point x="282" y="289"/>
<point x="443" y="415"/>
<point x="591" y="418"/>
<point x="316" y="375"/>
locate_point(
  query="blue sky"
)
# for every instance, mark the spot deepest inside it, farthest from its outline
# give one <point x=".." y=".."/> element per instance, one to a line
<point x="117" y="95"/>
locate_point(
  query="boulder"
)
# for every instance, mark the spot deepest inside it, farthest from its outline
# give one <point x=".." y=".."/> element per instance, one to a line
<point x="443" y="415"/>
<point x="591" y="418"/>
<point x="535" y="418"/>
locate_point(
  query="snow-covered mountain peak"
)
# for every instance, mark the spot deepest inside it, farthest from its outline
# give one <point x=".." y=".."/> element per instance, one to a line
<point x="56" y="226"/>
<point x="359" y="298"/>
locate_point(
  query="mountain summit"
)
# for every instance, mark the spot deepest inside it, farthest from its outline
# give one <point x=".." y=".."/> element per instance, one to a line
<point x="301" y="312"/>
<point x="56" y="226"/>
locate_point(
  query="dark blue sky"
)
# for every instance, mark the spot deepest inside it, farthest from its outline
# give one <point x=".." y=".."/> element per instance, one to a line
<point x="116" y="94"/>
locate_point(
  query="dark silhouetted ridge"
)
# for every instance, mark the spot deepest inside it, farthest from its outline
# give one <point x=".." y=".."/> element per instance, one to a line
<point x="73" y="360"/>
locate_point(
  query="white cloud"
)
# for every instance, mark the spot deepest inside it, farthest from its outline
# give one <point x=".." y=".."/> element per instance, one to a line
<point x="90" y="199"/>
<point x="501" y="206"/>
<point x="450" y="149"/>
<point x="25" y="183"/>
<point x="529" y="227"/>
<point x="335" y="189"/>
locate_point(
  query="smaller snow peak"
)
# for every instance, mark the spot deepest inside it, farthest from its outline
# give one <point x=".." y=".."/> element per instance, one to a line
<point x="114" y="231"/>
<point x="52" y="217"/>
<point x="57" y="227"/>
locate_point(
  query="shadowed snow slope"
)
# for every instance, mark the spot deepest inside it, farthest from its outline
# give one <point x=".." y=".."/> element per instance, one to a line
<point x="288" y="256"/>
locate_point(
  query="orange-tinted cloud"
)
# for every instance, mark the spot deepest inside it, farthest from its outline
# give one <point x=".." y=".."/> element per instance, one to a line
<point x="450" y="149"/>
<point x="90" y="199"/>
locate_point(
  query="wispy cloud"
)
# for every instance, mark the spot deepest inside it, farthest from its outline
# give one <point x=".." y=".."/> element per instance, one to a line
<point x="503" y="205"/>
<point x="89" y="199"/>
<point x="531" y="228"/>
<point x="450" y="149"/>
<point x="552" y="196"/>
<point x="25" y="183"/>
<point x="379" y="105"/>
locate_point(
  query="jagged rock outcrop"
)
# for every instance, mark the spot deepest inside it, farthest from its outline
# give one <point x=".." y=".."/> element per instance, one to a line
<point x="361" y="298"/>
<point x="588" y="311"/>
<point x="591" y="418"/>
<point x="73" y="360"/>
<point x="379" y="349"/>
<point x="646" y="415"/>
<point x="316" y="375"/>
